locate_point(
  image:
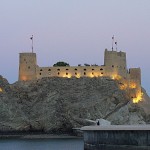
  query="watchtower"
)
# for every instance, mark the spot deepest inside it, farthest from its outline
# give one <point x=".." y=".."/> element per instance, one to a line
<point x="115" y="62"/>
<point x="27" y="66"/>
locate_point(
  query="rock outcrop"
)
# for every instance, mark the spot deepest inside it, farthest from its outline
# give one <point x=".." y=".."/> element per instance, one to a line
<point x="57" y="105"/>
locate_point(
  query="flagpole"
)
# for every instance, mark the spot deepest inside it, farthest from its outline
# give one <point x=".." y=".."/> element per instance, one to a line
<point x="31" y="38"/>
<point x="113" y="43"/>
<point x="116" y="45"/>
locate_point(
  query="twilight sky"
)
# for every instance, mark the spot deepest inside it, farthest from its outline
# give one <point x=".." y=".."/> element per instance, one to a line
<point x="75" y="31"/>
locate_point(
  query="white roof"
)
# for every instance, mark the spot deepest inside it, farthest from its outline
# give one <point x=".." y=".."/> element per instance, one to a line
<point x="116" y="127"/>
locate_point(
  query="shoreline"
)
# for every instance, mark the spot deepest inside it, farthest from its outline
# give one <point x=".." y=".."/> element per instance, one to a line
<point x="38" y="136"/>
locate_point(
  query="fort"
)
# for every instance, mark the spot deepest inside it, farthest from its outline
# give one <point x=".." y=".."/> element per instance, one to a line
<point x="115" y="67"/>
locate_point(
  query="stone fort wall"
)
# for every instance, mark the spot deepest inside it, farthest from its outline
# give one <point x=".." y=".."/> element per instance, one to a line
<point x="115" y="67"/>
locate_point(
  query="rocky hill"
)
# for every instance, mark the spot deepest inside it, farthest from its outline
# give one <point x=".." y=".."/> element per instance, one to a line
<point x="57" y="105"/>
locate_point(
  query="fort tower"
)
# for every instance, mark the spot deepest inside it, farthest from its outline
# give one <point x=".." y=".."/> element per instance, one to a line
<point x="115" y="63"/>
<point x="27" y="66"/>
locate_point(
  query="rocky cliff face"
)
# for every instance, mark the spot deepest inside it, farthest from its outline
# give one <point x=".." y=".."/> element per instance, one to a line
<point x="60" y="104"/>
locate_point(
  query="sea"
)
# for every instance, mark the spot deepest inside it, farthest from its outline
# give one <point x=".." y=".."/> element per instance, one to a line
<point x="42" y="144"/>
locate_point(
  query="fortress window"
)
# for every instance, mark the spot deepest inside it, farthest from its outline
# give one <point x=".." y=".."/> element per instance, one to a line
<point x="75" y="73"/>
<point x="75" y="69"/>
<point x="84" y="73"/>
<point x="67" y="69"/>
<point x="101" y="69"/>
<point x="113" y="66"/>
<point x="66" y="73"/>
<point x="40" y="73"/>
<point x="84" y="69"/>
<point x="58" y="73"/>
<point x="29" y="67"/>
<point x="58" y="69"/>
<point x="41" y="70"/>
<point x="102" y="73"/>
<point x="92" y="73"/>
<point x="92" y="69"/>
<point x="49" y="69"/>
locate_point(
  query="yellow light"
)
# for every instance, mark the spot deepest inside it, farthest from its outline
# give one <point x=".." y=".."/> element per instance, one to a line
<point x="113" y="77"/>
<point x="101" y="75"/>
<point x="78" y="76"/>
<point x="1" y="90"/>
<point x="132" y="85"/>
<point x="116" y="77"/>
<point x="67" y="76"/>
<point x="138" y="98"/>
<point x="123" y="86"/>
<point x="91" y="75"/>
<point x="24" y="78"/>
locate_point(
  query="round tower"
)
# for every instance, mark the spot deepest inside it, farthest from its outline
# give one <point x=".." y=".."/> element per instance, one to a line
<point x="27" y="66"/>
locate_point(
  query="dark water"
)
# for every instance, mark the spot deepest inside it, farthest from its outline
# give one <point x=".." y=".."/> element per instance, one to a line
<point x="42" y="144"/>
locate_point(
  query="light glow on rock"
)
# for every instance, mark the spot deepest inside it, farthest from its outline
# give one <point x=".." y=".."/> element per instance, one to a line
<point x="138" y="98"/>
<point x="1" y="90"/>
<point x="123" y="86"/>
<point x="132" y="85"/>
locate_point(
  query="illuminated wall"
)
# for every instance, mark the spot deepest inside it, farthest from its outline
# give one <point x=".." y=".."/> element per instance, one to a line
<point x="115" y="67"/>
<point x="76" y="71"/>
<point x="115" y="62"/>
<point x="27" y="66"/>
